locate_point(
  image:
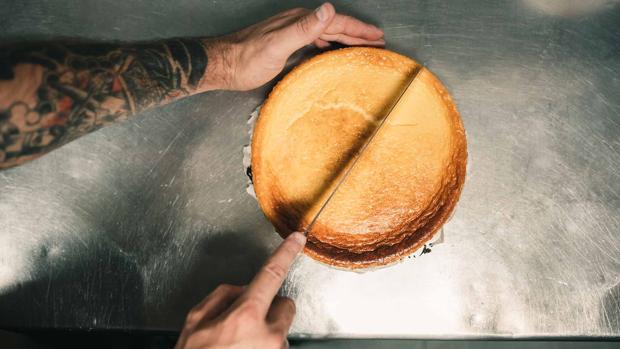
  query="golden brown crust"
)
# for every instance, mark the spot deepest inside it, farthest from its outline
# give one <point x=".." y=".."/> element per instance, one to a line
<point x="289" y="203"/>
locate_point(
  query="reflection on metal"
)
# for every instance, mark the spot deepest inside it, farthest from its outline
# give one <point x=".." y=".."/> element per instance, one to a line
<point x="570" y="8"/>
<point x="130" y="226"/>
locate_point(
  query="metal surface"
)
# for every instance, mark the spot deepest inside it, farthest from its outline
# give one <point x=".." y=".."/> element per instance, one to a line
<point x="361" y="151"/>
<point x="130" y="226"/>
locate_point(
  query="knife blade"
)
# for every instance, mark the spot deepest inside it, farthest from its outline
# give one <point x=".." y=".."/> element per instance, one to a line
<point x="362" y="149"/>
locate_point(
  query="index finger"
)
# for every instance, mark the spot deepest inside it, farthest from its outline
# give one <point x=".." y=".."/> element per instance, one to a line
<point x="267" y="282"/>
<point x="350" y="26"/>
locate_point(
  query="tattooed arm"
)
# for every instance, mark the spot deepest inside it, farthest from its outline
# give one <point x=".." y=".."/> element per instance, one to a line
<point x="53" y="93"/>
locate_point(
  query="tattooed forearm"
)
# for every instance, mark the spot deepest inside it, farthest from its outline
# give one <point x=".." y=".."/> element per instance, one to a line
<point x="51" y="94"/>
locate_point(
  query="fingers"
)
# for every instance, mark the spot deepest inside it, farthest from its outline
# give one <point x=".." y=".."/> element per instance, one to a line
<point x="322" y="44"/>
<point x="320" y="27"/>
<point x="267" y="282"/>
<point x="303" y="31"/>
<point x="215" y="303"/>
<point x="350" y="40"/>
<point x="353" y="27"/>
<point x="281" y="314"/>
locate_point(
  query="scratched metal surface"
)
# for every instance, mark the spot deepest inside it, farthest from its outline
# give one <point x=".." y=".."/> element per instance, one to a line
<point x="130" y="226"/>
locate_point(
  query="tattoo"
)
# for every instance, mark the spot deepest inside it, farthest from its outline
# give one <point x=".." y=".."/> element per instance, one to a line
<point x="52" y="94"/>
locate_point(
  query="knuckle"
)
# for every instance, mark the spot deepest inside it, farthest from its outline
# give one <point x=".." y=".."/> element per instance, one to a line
<point x="247" y="313"/>
<point x="224" y="288"/>
<point x="227" y="288"/>
<point x="303" y="25"/>
<point x="193" y="316"/>
<point x="276" y="270"/>
<point x="297" y="11"/>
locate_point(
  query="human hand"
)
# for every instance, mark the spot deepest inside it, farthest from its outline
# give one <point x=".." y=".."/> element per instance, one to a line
<point x="253" y="56"/>
<point x="246" y="317"/>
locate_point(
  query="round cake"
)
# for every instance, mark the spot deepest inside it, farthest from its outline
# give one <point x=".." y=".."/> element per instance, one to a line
<point x="402" y="188"/>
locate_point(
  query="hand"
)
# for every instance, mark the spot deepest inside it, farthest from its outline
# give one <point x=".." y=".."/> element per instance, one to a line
<point x="253" y="56"/>
<point x="246" y="317"/>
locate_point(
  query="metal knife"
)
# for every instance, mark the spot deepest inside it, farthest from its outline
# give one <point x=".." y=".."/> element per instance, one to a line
<point x="362" y="149"/>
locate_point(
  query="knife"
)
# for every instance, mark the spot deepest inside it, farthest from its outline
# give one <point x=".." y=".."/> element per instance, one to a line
<point x="362" y="149"/>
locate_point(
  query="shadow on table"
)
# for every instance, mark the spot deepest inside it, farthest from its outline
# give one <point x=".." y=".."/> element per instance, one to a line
<point x="81" y="288"/>
<point x="229" y="257"/>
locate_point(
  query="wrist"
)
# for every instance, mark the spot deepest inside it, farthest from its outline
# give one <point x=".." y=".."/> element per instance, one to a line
<point x="220" y="66"/>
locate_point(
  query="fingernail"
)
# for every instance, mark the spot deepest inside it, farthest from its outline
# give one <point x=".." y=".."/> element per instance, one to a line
<point x="299" y="238"/>
<point x="321" y="13"/>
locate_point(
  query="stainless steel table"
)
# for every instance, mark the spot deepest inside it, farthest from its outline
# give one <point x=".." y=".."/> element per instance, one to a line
<point x="130" y="226"/>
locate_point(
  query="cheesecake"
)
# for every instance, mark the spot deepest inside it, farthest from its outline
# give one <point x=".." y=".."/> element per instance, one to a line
<point x="403" y="187"/>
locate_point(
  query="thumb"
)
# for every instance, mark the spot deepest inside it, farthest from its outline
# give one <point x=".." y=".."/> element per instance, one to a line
<point x="306" y="29"/>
